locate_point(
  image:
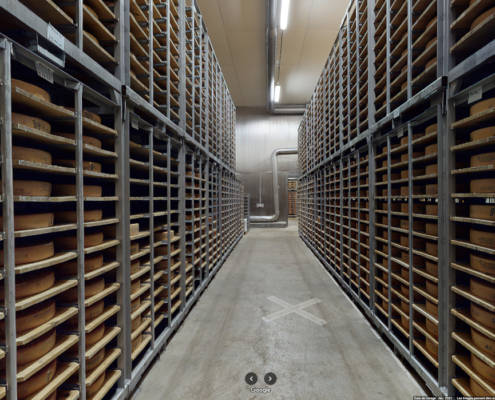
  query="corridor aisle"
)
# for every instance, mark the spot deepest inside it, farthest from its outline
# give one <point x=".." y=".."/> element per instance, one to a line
<point x="225" y="336"/>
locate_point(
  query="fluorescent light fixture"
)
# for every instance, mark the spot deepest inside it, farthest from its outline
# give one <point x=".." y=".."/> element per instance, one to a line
<point x="277" y="93"/>
<point x="284" y="14"/>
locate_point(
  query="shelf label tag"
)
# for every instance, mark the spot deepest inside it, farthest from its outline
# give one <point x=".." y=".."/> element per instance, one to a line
<point x="260" y="205"/>
<point x="400" y="134"/>
<point x="396" y="113"/>
<point x="44" y="71"/>
<point x="134" y="123"/>
<point x="55" y="37"/>
<point x="475" y="94"/>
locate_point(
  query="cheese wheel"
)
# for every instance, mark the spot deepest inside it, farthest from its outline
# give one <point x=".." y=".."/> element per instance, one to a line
<point x="91" y="288"/>
<point x="32" y="155"/>
<point x="135" y="304"/>
<point x="431" y="62"/>
<point x="486" y="159"/>
<point x="432" y="288"/>
<point x="91" y="141"/>
<point x="431" y="268"/>
<point x="416" y="154"/>
<point x="30" y="283"/>
<point x="431" y="327"/>
<point x="417" y="242"/>
<point x="418" y="226"/>
<point x="482" y="186"/>
<point x="482" y="315"/>
<point x="432" y="308"/>
<point x="431" y="42"/>
<point x="70" y="242"/>
<point x="482" y="18"/>
<point x="432" y="209"/>
<point x="135" y="266"/>
<point x="416" y="172"/>
<point x="134" y="229"/>
<point x="431" y="149"/>
<point x="92" y="262"/>
<point x="483" y="133"/>
<point x="86" y="114"/>
<point x="431" y="169"/>
<point x="31" y="122"/>
<point x="95" y="386"/>
<point x="431" y="22"/>
<point x="483" y="263"/>
<point x="30" y="188"/>
<point x="482" y="368"/>
<point x="482" y="288"/>
<point x="418" y="208"/>
<point x="432" y="248"/>
<point x="87" y="165"/>
<point x="482" y="212"/>
<point x="137" y="341"/>
<point x="477" y="390"/>
<point x="486" y="344"/>
<point x="32" y="317"/>
<point x="136" y="323"/>
<point x="432" y="189"/>
<point x="135" y="285"/>
<point x="97" y="359"/>
<point x="134" y="247"/>
<point x="95" y="335"/>
<point x="70" y="217"/>
<point x="37" y="381"/>
<point x="431" y="229"/>
<point x="404" y="321"/>
<point x="482" y="106"/>
<point x="31" y="254"/>
<point x="32" y="89"/>
<point x="70" y="190"/>
<point x="35" y="349"/>
<point x="431" y="347"/>
<point x="404" y="68"/>
<point x="405" y="291"/>
<point x="90" y="313"/>
<point x="482" y="238"/>
<point x="403" y="86"/>
<point x="31" y="221"/>
<point x="92" y="37"/>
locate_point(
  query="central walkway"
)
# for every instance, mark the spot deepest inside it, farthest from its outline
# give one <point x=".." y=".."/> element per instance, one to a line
<point x="225" y="336"/>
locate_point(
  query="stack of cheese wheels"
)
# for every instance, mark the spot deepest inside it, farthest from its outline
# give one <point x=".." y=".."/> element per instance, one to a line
<point x="92" y="262"/>
<point x="37" y="381"/>
<point x="90" y="313"/>
<point x="30" y="188"/>
<point x="70" y="242"/>
<point x="415" y="136"/>
<point x="482" y="315"/>
<point x="483" y="133"/>
<point x="432" y="308"/>
<point x="31" y="283"/>
<point x="415" y="154"/>
<point x="405" y="291"/>
<point x="90" y="141"/>
<point x="482" y="368"/>
<point x="32" y="317"/>
<point x="31" y="254"/>
<point x="482" y="262"/>
<point x="30" y="123"/>
<point x="31" y="155"/>
<point x="91" y="288"/>
<point x="137" y="342"/>
<point x="87" y="165"/>
<point x="135" y="264"/>
<point x="70" y="217"/>
<point x="416" y="172"/>
<point x="71" y="190"/>
<point x="31" y="221"/>
<point x="33" y="90"/>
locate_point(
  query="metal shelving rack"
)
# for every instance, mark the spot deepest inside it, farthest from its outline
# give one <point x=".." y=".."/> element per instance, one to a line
<point x="171" y="113"/>
<point x="390" y="208"/>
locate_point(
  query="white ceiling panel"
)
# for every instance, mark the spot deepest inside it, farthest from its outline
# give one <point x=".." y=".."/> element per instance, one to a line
<point x="243" y="15"/>
<point x="293" y="37"/>
<point x="288" y="75"/>
<point x="326" y="14"/>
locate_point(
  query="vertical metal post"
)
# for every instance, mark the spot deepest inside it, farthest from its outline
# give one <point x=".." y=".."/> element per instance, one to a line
<point x="151" y="178"/>
<point x="182" y="224"/>
<point x="169" y="229"/>
<point x="389" y="231"/>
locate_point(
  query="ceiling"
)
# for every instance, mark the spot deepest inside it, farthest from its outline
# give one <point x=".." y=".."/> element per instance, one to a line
<point x="237" y="29"/>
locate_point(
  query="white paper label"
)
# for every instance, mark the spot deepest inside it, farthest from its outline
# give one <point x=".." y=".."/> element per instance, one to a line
<point x="400" y="134"/>
<point x="396" y="113"/>
<point x="475" y="94"/>
<point x="134" y="123"/>
<point x="260" y="205"/>
<point x="55" y="37"/>
<point x="44" y="71"/>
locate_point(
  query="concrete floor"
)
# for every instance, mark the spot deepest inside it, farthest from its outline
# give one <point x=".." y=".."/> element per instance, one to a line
<point x="225" y="337"/>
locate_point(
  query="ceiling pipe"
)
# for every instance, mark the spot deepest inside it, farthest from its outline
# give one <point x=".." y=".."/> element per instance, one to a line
<point x="271" y="63"/>
<point x="274" y="217"/>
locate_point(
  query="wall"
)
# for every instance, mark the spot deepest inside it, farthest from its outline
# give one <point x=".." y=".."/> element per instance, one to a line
<point x="258" y="135"/>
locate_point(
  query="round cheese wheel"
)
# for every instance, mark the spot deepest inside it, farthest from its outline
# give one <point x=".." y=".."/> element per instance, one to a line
<point x="404" y="68"/>
<point x="97" y="359"/>
<point x="70" y="242"/>
<point x="418" y="226"/>
<point x="432" y="308"/>
<point x="483" y="263"/>
<point x="32" y="317"/>
<point x="432" y="268"/>
<point x="431" y="22"/>
<point x="482" y="238"/>
<point x="32" y="89"/>
<point x="135" y="266"/>
<point x="432" y="209"/>
<point x="483" y="342"/>
<point x="404" y="53"/>
<point x="91" y="288"/>
<point x="483" y="133"/>
<point x="91" y="141"/>
<point x="404" y="322"/>
<point x="416" y="172"/>
<point x="431" y="62"/>
<point x="403" y="86"/>
<point x="86" y="114"/>
<point x="405" y="291"/>
<point x="95" y="335"/>
<point x="418" y="243"/>
<point x="95" y="386"/>
<point x="87" y="165"/>
<point x="482" y="106"/>
<point x="431" y="149"/>
<point x="432" y="248"/>
<point x="431" y="128"/>
<point x="416" y="154"/>
<point x="35" y="349"/>
<point x="91" y="312"/>
<point x="418" y="208"/>
<point x="432" y="189"/>
<point x="31" y="283"/>
<point x="431" y="169"/>
<point x="31" y="221"/>
<point x="70" y="190"/>
<point x="136" y="323"/>
<point x="482" y="315"/>
<point x="30" y="188"/>
<point x="92" y="37"/>
<point x="134" y="247"/>
<point x="404" y="307"/>
<point x="482" y="288"/>
<point x="486" y="159"/>
<point x="431" y="42"/>
<point x="477" y="390"/>
<point x="432" y="288"/>
<point x="482" y="18"/>
<point x="31" y="122"/>
<point x="393" y="177"/>
<point x="135" y="304"/>
<point x="37" y="381"/>
<point x="482" y="368"/>
<point x="431" y="327"/>
<point x="482" y="186"/>
<point x="135" y="285"/>
<point x="31" y="254"/>
<point x="136" y="342"/>
<point x="431" y="229"/>
<point x="482" y="212"/>
<point x="32" y="155"/>
<point x="431" y="347"/>
<point x="92" y="262"/>
<point x="70" y="217"/>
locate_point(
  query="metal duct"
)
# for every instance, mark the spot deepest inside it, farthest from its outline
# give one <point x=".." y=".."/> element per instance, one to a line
<point x="271" y="63"/>
<point x="274" y="217"/>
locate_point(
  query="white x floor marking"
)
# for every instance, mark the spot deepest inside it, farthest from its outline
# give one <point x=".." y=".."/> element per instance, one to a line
<point x="289" y="309"/>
